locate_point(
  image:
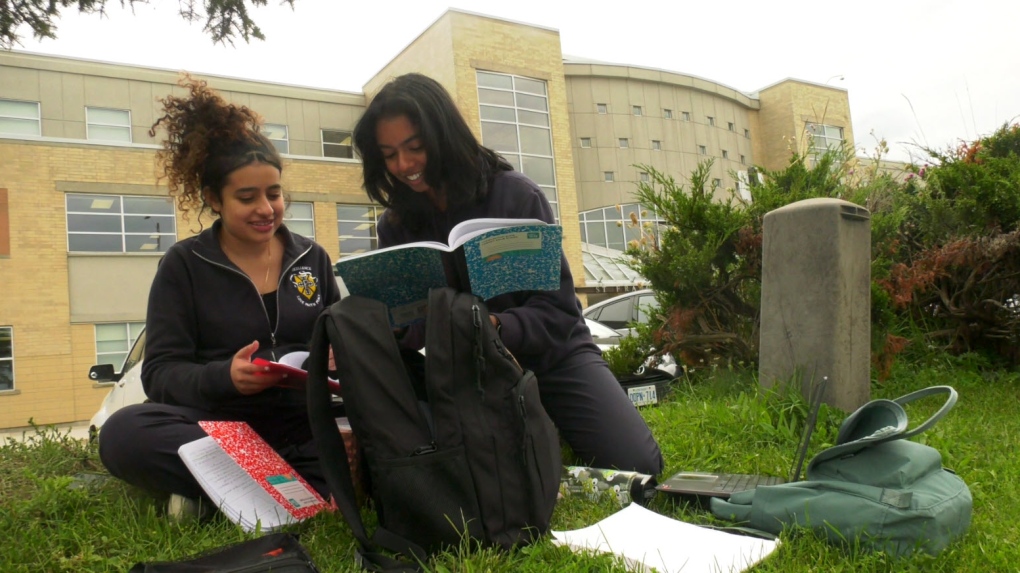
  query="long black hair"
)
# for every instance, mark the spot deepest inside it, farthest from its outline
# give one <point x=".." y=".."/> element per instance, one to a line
<point x="456" y="164"/>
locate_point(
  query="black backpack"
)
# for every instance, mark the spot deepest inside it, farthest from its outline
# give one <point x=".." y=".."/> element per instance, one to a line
<point x="456" y="443"/>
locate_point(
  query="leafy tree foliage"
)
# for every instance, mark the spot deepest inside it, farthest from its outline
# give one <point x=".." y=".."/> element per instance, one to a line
<point x="225" y="20"/>
<point x="945" y="253"/>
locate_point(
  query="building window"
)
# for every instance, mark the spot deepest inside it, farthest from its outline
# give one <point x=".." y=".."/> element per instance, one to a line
<point x="725" y="154"/>
<point x="743" y="160"/>
<point x="336" y="143"/>
<point x="614" y="227"/>
<point x="356" y="226"/>
<point x="114" y="340"/>
<point x="102" y="124"/>
<point x="824" y="137"/>
<point x="6" y="358"/>
<point x="685" y="115"/>
<point x="644" y="177"/>
<point x="278" y="134"/>
<point x="656" y="145"/>
<point x="514" y="113"/>
<point x="747" y="133"/>
<point x="602" y="108"/>
<point x="667" y="114"/>
<point x="702" y="150"/>
<point x="711" y="121"/>
<point x="119" y="224"/>
<point x="300" y="219"/>
<point x="716" y="183"/>
<point x="20" y="117"/>
<point x="609" y="176"/>
<point x="624" y="143"/>
<point x="637" y="110"/>
<point x="585" y="142"/>
<point x="731" y="126"/>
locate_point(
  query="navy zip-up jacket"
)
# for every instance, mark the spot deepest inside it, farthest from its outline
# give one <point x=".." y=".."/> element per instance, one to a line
<point x="203" y="309"/>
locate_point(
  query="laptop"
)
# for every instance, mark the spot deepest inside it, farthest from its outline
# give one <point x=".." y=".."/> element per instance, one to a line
<point x="704" y="485"/>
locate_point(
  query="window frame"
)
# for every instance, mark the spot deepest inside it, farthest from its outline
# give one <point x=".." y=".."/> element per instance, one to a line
<point x="609" y="177"/>
<point x="324" y="143"/>
<point x="611" y="226"/>
<point x="656" y="145"/>
<point x="132" y="330"/>
<point x="285" y="140"/>
<point x="601" y="108"/>
<point x="37" y="119"/>
<point x="585" y="143"/>
<point x="89" y="123"/>
<point x="624" y="143"/>
<point x="685" y="115"/>
<point x="667" y="113"/>
<point x="373" y="236"/>
<point x="831" y="142"/>
<point x="711" y="121"/>
<point x="731" y="126"/>
<point x="289" y="218"/>
<point x="9" y="359"/>
<point x="637" y="110"/>
<point x="702" y="150"/>
<point x="516" y="122"/>
<point x="124" y="218"/>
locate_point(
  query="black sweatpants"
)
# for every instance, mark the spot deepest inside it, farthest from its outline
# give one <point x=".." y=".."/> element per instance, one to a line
<point x="139" y="443"/>
<point x="596" y="417"/>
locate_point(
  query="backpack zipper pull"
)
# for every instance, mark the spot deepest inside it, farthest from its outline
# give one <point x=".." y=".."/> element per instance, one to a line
<point x="479" y="354"/>
<point x="422" y="450"/>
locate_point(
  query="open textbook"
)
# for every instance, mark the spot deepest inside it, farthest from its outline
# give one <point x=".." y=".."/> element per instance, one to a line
<point x="648" y="541"/>
<point x="247" y="480"/>
<point x="292" y="366"/>
<point x="500" y="256"/>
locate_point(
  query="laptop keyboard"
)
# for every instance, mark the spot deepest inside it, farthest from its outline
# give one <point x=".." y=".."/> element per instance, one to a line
<point x="741" y="482"/>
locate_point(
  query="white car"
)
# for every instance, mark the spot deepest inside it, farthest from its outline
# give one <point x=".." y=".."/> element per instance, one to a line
<point x="619" y="312"/>
<point x="606" y="338"/>
<point x="127" y="384"/>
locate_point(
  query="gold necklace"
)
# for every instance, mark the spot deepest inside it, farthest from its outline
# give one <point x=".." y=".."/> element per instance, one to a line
<point x="269" y="264"/>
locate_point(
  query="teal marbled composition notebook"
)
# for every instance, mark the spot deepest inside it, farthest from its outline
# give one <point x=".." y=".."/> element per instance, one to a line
<point x="501" y="256"/>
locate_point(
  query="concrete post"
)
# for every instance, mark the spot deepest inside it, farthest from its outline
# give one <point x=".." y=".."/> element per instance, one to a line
<point x="816" y="299"/>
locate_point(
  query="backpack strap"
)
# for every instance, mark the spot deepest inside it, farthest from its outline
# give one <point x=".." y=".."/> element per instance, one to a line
<point x="333" y="457"/>
<point x="930" y="391"/>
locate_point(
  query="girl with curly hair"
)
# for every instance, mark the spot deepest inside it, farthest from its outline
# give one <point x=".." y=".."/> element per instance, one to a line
<point x="421" y="160"/>
<point x="246" y="287"/>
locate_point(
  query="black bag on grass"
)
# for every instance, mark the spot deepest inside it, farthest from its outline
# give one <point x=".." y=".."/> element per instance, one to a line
<point x="278" y="552"/>
<point x="456" y="443"/>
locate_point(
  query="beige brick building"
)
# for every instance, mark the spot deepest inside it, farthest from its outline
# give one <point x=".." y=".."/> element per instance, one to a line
<point x="83" y="219"/>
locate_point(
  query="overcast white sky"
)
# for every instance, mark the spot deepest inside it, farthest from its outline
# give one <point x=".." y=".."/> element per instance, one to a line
<point x="927" y="72"/>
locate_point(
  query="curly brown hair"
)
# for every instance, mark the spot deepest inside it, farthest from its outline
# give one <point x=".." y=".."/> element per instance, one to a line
<point x="207" y="139"/>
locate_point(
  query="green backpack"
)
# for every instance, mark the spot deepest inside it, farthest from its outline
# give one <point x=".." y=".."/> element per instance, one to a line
<point x="874" y="487"/>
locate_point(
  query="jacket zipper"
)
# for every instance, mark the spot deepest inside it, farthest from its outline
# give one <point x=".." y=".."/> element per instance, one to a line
<point x="265" y="312"/>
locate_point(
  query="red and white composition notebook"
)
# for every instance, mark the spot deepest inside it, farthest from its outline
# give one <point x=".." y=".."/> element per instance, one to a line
<point x="247" y="480"/>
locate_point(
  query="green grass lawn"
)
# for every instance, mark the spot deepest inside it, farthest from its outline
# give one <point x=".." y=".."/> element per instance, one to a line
<point x="719" y="423"/>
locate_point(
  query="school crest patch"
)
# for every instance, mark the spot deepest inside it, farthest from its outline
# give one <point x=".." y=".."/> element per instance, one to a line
<point x="305" y="283"/>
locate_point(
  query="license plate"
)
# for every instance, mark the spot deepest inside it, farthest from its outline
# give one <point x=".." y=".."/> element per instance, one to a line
<point x="643" y="395"/>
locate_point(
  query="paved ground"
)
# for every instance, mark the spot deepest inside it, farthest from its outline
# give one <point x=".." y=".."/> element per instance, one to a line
<point x="77" y="430"/>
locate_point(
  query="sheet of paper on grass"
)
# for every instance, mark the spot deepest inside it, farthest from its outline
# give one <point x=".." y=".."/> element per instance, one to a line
<point x="647" y="540"/>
